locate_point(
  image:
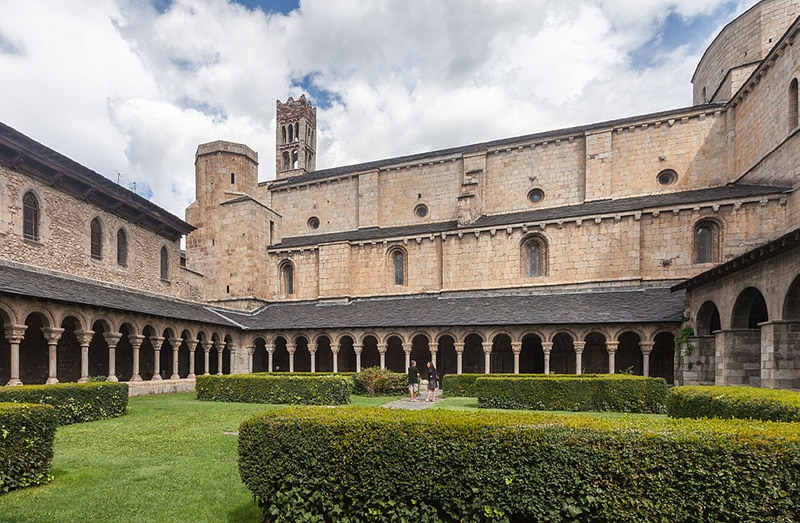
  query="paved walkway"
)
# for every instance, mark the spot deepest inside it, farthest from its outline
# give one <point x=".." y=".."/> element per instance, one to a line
<point x="406" y="403"/>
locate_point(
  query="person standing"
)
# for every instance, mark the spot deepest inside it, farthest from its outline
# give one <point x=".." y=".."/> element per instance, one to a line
<point x="433" y="379"/>
<point x="413" y="380"/>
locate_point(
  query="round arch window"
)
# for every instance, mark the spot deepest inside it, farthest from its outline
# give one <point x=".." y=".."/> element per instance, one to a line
<point x="421" y="210"/>
<point x="667" y="177"/>
<point x="535" y="195"/>
<point x="313" y="223"/>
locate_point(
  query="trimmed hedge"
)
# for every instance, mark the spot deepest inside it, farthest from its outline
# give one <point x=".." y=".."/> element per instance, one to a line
<point x="74" y="402"/>
<point x="465" y="385"/>
<point x="356" y="465"/>
<point x="733" y="402"/>
<point x="27" y="433"/>
<point x="600" y="393"/>
<point x="296" y="389"/>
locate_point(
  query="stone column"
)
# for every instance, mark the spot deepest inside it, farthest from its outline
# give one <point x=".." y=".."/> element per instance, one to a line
<point x="357" y="349"/>
<point x="192" y="349"/>
<point x="220" y="348"/>
<point x="433" y="360"/>
<point x="313" y="354"/>
<point x="14" y="335"/>
<point x="487" y="356"/>
<point x="52" y="335"/>
<point x="270" y="347"/>
<point x="579" y="346"/>
<point x="290" y="348"/>
<point x="407" y="351"/>
<point x="136" y="341"/>
<point x="206" y="355"/>
<point x="84" y="339"/>
<point x="335" y="352"/>
<point x="175" y="344"/>
<point x="516" y="348"/>
<point x="459" y="356"/>
<point x="156" y="341"/>
<point x="112" y="338"/>
<point x="646" y="347"/>
<point x="382" y="353"/>
<point x="547" y="348"/>
<point x="611" y="348"/>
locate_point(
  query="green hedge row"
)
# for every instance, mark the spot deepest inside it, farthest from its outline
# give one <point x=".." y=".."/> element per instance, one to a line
<point x="296" y="389"/>
<point x="74" y="402"/>
<point x="601" y="393"/>
<point x="356" y="465"/>
<point x="733" y="402"/>
<point x="465" y="385"/>
<point x="27" y="433"/>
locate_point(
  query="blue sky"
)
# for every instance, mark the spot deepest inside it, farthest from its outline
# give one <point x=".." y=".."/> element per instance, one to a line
<point x="132" y="87"/>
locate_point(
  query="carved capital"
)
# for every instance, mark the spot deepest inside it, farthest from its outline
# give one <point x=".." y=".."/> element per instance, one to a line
<point x="52" y="335"/>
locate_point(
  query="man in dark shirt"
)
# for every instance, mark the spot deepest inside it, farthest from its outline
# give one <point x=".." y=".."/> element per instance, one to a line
<point x="413" y="380"/>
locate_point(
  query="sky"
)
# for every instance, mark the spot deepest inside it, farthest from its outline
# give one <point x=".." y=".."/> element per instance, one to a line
<point x="130" y="88"/>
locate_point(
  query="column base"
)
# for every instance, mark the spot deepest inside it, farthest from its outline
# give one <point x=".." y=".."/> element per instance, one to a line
<point x="156" y="377"/>
<point x="136" y="377"/>
<point x="191" y="375"/>
<point x="175" y="377"/>
<point x="51" y="381"/>
<point x="14" y="382"/>
<point x="111" y="378"/>
<point x="83" y="380"/>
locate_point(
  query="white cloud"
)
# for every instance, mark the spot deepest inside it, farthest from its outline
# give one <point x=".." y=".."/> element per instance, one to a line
<point x="119" y="86"/>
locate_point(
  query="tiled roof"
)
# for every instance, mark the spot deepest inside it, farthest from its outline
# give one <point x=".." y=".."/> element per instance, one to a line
<point x="655" y="201"/>
<point x="25" y="280"/>
<point x="531" y="308"/>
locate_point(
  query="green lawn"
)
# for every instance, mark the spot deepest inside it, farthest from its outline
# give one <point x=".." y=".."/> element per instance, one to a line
<point x="171" y="458"/>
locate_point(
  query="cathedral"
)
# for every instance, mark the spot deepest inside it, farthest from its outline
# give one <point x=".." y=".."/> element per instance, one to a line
<point x="665" y="244"/>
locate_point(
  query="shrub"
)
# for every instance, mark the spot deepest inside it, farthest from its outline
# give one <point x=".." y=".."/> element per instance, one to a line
<point x="74" y="402"/>
<point x="356" y="465"/>
<point x="733" y="402"/>
<point x="465" y="385"/>
<point x="27" y="433"/>
<point x="374" y="381"/>
<point x="306" y="389"/>
<point x="600" y="393"/>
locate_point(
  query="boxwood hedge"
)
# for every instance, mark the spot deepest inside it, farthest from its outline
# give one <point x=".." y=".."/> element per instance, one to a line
<point x="297" y="389"/>
<point x="356" y="465"/>
<point x="600" y="393"/>
<point x="74" y="402"/>
<point x="465" y="385"/>
<point x="733" y="402"/>
<point x="27" y="433"/>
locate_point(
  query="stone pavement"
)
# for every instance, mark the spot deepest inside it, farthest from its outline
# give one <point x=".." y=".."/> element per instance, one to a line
<point x="406" y="403"/>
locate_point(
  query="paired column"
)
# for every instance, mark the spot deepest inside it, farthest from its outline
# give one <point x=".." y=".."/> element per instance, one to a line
<point x="313" y="354"/>
<point x="290" y="348"/>
<point x="646" y="347"/>
<point x="175" y="343"/>
<point x="335" y="352"/>
<point x="192" y="349"/>
<point x="270" y="355"/>
<point x="487" y="356"/>
<point x="547" y="348"/>
<point x="156" y="341"/>
<point x="136" y="343"/>
<point x="382" y="353"/>
<point x="516" y="348"/>
<point x="357" y="349"/>
<point x="52" y="335"/>
<point x="14" y="335"/>
<point x="206" y="355"/>
<point x="459" y="356"/>
<point x="112" y="338"/>
<point x="84" y="339"/>
<point x="220" y="347"/>
<point x="407" y="350"/>
<point x="611" y="348"/>
<point x="579" y="346"/>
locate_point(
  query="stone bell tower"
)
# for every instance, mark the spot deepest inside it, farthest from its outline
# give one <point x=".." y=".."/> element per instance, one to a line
<point x="296" y="138"/>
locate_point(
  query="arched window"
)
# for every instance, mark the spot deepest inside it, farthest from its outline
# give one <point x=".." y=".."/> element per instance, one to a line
<point x="30" y="216"/>
<point x="122" y="248"/>
<point x="706" y="242"/>
<point x="534" y="255"/>
<point x="398" y="259"/>
<point x="287" y="278"/>
<point x="96" y="232"/>
<point x="164" y="263"/>
<point x="793" y="105"/>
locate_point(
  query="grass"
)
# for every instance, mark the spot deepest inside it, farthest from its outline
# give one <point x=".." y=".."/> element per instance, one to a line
<point x="170" y="459"/>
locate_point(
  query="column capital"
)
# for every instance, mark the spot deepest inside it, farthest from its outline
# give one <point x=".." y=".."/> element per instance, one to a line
<point x="357" y="348"/>
<point x="579" y="346"/>
<point x="381" y="348"/>
<point x="407" y="347"/>
<point x="174" y="342"/>
<point x="459" y="347"/>
<point x="646" y="346"/>
<point x="516" y="347"/>
<point x="487" y="347"/>
<point x="156" y="341"/>
<point x="547" y="346"/>
<point x="112" y="338"/>
<point x="612" y="346"/>
<point x="52" y="334"/>
<point x="290" y="348"/>
<point x="84" y="337"/>
<point x="15" y="333"/>
<point x="135" y="340"/>
<point x="206" y="345"/>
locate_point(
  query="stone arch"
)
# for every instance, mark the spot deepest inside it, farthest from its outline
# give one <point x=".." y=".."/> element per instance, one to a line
<point x="302" y="356"/>
<point x="280" y="356"/>
<point x="662" y="358"/>
<point x="286" y="270"/>
<point x="628" y="358"/>
<point x="395" y="358"/>
<point x="707" y="234"/>
<point x="33" y="350"/>
<point x="749" y="310"/>
<point x="502" y="357"/>
<point x="123" y="366"/>
<point x="68" y="350"/>
<point x="346" y="357"/>
<point x="446" y="357"/>
<point x="421" y="348"/>
<point x="595" y="353"/>
<point x="324" y="353"/>
<point x="397" y="265"/>
<point x="227" y="354"/>
<point x="260" y="356"/>
<point x="562" y="355"/>
<point x="98" y="348"/>
<point x="707" y="319"/>
<point x="533" y="255"/>
<point x="473" y="360"/>
<point x="531" y="356"/>
<point x="214" y="352"/>
<point x="791" y="303"/>
<point x="370" y="357"/>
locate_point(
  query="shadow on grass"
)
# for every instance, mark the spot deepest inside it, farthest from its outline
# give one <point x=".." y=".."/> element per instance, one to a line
<point x="248" y="513"/>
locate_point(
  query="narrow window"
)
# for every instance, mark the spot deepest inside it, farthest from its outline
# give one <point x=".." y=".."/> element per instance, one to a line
<point x="122" y="248"/>
<point x="286" y="163"/>
<point x="287" y="278"/>
<point x="793" y="106"/>
<point x="283" y="133"/>
<point x="164" y="263"/>
<point x="30" y="216"/>
<point x="399" y="264"/>
<point x="233" y="178"/>
<point x="297" y="131"/>
<point x="706" y="238"/>
<point x="534" y="254"/>
<point x="291" y="132"/>
<point x="96" y="230"/>
<point x="295" y="159"/>
<point x="533" y="260"/>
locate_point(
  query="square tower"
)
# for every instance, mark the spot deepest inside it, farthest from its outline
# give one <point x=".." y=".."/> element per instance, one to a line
<point x="295" y="138"/>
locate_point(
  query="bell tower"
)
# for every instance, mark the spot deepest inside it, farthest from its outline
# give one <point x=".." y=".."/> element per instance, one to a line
<point x="296" y="138"/>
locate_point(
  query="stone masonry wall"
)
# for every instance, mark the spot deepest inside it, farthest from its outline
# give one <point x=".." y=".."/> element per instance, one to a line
<point x="64" y="243"/>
